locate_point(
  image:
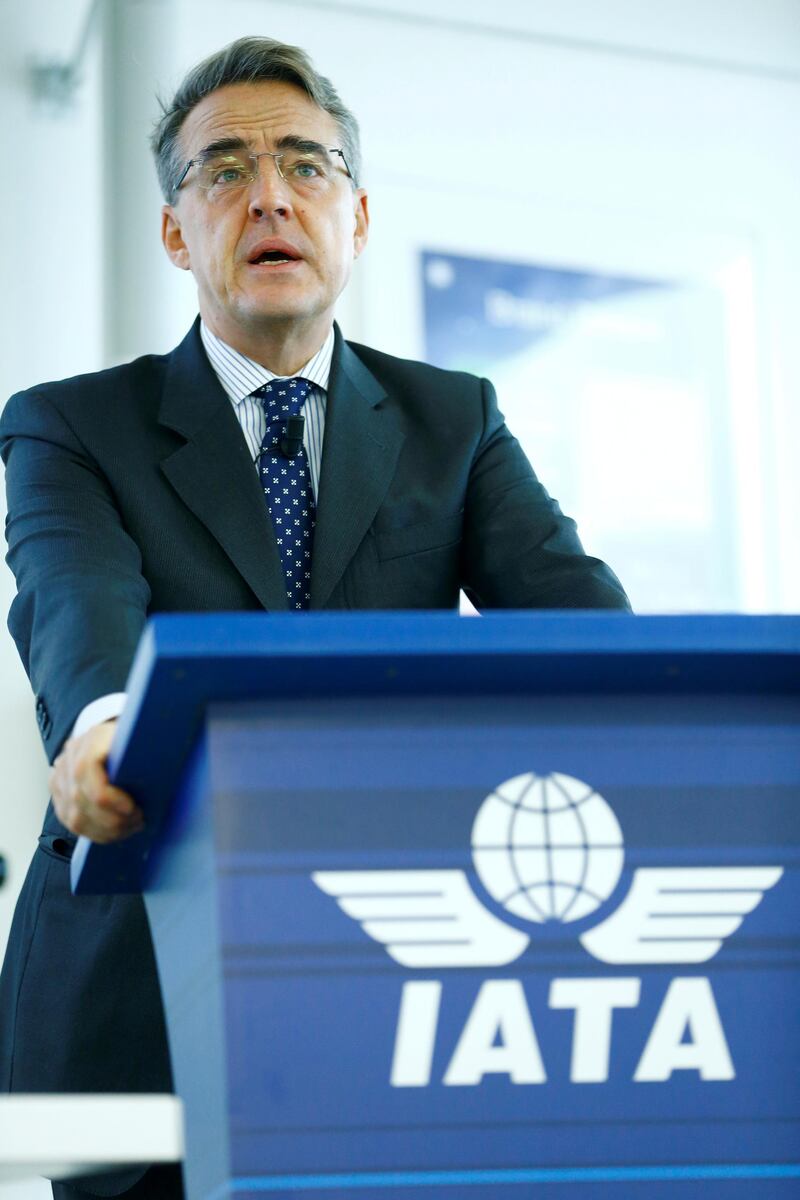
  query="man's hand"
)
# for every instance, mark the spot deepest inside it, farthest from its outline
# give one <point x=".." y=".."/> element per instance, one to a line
<point x="83" y="798"/>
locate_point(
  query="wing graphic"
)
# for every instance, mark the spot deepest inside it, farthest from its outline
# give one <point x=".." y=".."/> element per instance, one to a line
<point x="424" y="918"/>
<point x="679" y="914"/>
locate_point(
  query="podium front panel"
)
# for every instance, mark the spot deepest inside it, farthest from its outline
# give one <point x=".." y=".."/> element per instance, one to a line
<point x="488" y="943"/>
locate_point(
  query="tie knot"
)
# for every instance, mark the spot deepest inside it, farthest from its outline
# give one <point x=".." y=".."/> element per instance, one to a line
<point x="283" y="398"/>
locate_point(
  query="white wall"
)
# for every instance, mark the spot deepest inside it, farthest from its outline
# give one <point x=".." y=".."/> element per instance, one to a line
<point x="680" y="116"/>
<point x="51" y="323"/>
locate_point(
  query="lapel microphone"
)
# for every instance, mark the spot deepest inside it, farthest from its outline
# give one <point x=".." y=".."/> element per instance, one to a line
<point x="292" y="444"/>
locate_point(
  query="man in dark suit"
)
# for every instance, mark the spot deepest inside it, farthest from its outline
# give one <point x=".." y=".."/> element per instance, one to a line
<point x="167" y="484"/>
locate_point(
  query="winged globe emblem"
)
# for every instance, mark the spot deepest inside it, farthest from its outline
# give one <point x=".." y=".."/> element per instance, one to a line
<point x="548" y="848"/>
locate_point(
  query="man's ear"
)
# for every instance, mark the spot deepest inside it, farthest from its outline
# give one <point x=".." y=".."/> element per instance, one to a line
<point x="172" y="237"/>
<point x="361" y="229"/>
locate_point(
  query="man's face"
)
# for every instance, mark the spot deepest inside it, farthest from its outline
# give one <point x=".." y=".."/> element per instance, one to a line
<point x="217" y="235"/>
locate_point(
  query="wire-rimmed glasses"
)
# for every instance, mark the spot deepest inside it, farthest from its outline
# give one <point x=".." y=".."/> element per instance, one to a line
<point x="307" y="167"/>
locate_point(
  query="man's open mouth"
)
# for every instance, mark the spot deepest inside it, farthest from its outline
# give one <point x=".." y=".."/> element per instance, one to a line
<point x="280" y="255"/>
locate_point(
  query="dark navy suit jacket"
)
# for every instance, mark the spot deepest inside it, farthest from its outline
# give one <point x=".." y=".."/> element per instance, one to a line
<point x="132" y="491"/>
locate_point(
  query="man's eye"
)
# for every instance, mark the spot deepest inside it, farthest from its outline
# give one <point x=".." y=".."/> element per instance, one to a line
<point x="229" y="174"/>
<point x="306" y="168"/>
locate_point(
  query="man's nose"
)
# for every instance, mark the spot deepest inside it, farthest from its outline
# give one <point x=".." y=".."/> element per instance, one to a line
<point x="269" y="191"/>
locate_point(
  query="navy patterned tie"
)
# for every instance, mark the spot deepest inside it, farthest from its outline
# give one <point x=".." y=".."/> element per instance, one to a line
<point x="287" y="487"/>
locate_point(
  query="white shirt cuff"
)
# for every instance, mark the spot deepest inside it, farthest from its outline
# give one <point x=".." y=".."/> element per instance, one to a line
<point x="106" y="708"/>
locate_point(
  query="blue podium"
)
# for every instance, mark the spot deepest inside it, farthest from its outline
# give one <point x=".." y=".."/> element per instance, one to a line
<point x="472" y="908"/>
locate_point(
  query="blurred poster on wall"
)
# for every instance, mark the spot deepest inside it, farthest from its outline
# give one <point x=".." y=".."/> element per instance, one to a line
<point x="616" y="388"/>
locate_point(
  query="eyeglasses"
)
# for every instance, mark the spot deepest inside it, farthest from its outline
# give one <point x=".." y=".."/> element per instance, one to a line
<point x="305" y="170"/>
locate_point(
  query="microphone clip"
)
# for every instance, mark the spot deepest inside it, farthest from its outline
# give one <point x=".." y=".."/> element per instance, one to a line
<point x="292" y="443"/>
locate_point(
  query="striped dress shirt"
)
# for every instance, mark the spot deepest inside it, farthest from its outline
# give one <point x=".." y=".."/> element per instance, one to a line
<point x="241" y="376"/>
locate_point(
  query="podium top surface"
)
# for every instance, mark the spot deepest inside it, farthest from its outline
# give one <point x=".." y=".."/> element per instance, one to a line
<point x="186" y="664"/>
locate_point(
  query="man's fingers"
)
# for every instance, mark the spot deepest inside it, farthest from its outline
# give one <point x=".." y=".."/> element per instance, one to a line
<point x="119" y="831"/>
<point x="117" y="801"/>
<point x="102" y="824"/>
<point x="83" y="798"/>
<point x="91" y="778"/>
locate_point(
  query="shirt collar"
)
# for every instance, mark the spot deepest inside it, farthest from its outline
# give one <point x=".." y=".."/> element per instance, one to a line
<point x="240" y="376"/>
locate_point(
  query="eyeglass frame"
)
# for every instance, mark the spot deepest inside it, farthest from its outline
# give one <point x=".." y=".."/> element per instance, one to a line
<point x="276" y="154"/>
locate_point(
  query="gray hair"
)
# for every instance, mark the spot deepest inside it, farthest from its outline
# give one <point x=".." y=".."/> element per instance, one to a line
<point x="247" y="60"/>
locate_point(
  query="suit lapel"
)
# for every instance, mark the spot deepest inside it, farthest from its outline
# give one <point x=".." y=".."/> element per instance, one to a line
<point x="214" y="474"/>
<point x="361" y="445"/>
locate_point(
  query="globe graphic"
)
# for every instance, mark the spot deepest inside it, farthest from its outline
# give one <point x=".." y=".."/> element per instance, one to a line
<point x="547" y="848"/>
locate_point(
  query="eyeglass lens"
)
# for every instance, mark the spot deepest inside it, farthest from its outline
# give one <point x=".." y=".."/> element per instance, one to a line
<point x="302" y="169"/>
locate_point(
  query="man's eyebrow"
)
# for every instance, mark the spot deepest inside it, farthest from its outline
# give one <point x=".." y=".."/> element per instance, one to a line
<point x="223" y="145"/>
<point x="290" y="141"/>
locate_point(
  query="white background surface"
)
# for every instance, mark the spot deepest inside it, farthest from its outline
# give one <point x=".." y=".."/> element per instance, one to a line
<point x="30" y="1189"/>
<point x="69" y="1135"/>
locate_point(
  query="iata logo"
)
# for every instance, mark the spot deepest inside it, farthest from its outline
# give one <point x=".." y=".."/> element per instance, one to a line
<point x="550" y="849"/>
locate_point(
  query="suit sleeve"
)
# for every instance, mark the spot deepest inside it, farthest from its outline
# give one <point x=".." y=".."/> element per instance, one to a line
<point x="519" y="550"/>
<point x="81" y="599"/>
